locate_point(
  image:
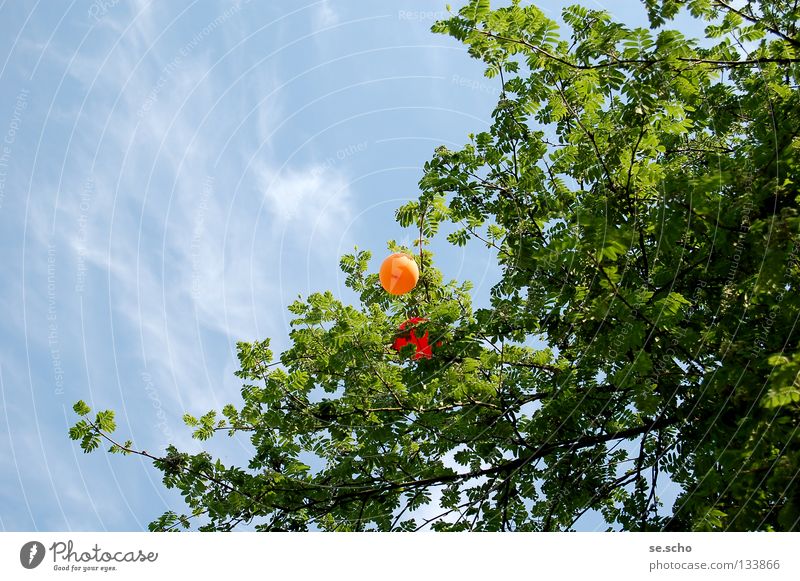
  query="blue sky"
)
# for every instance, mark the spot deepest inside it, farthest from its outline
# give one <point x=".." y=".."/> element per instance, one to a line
<point x="172" y="176"/>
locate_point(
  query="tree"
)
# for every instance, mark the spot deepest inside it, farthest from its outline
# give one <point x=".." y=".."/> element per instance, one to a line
<point x="640" y="191"/>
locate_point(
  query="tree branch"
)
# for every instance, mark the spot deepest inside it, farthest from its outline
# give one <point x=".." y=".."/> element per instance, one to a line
<point x="754" y="20"/>
<point x="648" y="62"/>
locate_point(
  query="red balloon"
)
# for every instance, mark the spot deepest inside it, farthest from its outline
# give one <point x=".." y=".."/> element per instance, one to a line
<point x="423" y="347"/>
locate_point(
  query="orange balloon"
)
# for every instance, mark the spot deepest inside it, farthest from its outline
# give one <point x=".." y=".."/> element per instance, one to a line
<point x="399" y="274"/>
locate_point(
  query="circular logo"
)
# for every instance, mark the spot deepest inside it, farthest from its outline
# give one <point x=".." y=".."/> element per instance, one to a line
<point x="31" y="554"/>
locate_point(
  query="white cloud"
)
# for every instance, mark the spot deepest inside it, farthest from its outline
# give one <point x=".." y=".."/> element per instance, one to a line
<point x="178" y="264"/>
<point x="315" y="196"/>
<point x="183" y="258"/>
<point x="324" y="15"/>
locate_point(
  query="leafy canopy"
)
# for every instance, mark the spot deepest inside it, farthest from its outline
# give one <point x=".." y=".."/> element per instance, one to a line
<point x="639" y="189"/>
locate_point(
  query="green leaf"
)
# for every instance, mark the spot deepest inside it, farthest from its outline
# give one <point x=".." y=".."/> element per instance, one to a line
<point x="476" y="10"/>
<point x="105" y="421"/>
<point x="81" y="408"/>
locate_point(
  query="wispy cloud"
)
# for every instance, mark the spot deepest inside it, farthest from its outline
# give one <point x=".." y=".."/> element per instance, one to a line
<point x="178" y="238"/>
<point x="325" y="15"/>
